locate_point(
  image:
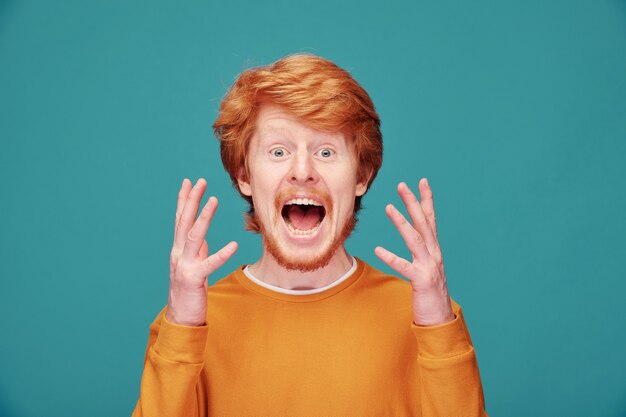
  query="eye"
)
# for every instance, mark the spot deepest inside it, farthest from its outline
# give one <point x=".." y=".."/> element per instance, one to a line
<point x="326" y="152"/>
<point x="278" y="152"/>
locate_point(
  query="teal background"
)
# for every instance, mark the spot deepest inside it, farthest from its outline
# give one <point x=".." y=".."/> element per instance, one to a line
<point x="515" y="111"/>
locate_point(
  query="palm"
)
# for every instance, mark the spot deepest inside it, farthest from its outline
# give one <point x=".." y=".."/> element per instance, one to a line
<point x="431" y="302"/>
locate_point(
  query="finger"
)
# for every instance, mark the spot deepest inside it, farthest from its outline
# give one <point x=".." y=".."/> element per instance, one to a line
<point x="218" y="259"/>
<point x="196" y="234"/>
<point x="204" y="250"/>
<point x="417" y="216"/>
<point x="393" y="261"/>
<point x="428" y="205"/>
<point x="182" y="197"/>
<point x="412" y="238"/>
<point x="188" y="216"/>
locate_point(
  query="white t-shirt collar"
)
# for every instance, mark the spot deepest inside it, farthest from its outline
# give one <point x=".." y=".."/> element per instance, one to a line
<point x="257" y="281"/>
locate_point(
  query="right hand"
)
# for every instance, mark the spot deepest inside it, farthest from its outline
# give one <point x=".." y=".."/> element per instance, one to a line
<point x="190" y="263"/>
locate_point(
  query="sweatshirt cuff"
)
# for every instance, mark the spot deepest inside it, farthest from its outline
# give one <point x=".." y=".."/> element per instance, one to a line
<point x="181" y="343"/>
<point x="443" y="340"/>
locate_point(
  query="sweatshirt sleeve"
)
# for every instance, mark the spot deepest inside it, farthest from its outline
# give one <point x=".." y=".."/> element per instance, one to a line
<point x="450" y="380"/>
<point x="173" y="362"/>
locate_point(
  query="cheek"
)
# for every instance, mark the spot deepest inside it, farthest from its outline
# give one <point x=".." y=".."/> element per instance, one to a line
<point x="267" y="177"/>
<point x="344" y="196"/>
<point x="264" y="193"/>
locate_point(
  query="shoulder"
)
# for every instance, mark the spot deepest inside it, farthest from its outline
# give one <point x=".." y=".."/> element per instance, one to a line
<point x="376" y="277"/>
<point x="391" y="285"/>
<point x="383" y="285"/>
<point x="226" y="285"/>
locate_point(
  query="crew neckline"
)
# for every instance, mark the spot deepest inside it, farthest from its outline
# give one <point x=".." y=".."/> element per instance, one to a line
<point x="281" y="290"/>
<point x="252" y="283"/>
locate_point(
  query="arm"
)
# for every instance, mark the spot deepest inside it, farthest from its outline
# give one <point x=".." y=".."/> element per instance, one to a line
<point x="173" y="362"/>
<point x="450" y="382"/>
<point x="175" y="352"/>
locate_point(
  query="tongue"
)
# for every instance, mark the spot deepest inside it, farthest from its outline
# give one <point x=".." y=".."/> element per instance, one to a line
<point x="303" y="219"/>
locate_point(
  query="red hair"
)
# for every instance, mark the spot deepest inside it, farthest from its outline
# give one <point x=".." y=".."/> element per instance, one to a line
<point x="312" y="88"/>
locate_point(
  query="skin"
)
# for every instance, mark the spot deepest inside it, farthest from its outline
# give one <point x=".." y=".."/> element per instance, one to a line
<point x="190" y="263"/>
<point x="303" y="168"/>
<point x="311" y="163"/>
<point x="431" y="302"/>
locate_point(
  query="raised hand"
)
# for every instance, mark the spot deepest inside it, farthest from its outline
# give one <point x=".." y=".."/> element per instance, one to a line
<point x="431" y="302"/>
<point x="190" y="263"/>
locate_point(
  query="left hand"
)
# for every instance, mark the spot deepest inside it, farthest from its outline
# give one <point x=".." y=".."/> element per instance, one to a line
<point x="431" y="302"/>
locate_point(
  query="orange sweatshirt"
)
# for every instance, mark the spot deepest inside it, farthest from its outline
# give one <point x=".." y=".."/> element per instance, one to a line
<point x="351" y="350"/>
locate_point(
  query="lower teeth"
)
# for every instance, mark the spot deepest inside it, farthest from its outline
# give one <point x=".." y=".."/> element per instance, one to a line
<point x="301" y="232"/>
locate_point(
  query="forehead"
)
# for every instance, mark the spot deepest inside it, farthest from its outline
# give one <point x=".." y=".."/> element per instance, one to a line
<point x="274" y="121"/>
<point x="271" y="115"/>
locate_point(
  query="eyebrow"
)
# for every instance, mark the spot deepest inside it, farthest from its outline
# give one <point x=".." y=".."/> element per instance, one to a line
<point x="266" y="135"/>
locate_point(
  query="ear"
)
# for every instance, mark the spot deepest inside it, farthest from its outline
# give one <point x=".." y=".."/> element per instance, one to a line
<point x="361" y="186"/>
<point x="244" y="184"/>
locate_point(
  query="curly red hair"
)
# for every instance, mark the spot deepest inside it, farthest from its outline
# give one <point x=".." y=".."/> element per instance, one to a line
<point x="323" y="95"/>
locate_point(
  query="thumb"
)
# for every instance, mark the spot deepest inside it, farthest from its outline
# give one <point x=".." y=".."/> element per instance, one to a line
<point x="219" y="258"/>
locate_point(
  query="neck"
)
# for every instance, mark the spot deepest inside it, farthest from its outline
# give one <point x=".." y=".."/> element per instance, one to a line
<point x="269" y="271"/>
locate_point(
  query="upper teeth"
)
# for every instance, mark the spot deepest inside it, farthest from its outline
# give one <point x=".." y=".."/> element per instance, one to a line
<point x="303" y="201"/>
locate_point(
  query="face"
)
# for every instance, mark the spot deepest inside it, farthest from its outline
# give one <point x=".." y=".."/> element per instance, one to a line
<point x="303" y="183"/>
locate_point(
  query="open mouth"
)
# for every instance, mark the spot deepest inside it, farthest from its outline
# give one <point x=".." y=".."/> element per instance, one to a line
<point x="303" y="216"/>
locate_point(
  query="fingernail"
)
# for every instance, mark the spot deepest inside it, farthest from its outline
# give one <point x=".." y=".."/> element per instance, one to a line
<point x="427" y="184"/>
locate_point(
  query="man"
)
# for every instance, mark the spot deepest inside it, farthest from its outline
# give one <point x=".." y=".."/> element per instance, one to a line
<point x="307" y="330"/>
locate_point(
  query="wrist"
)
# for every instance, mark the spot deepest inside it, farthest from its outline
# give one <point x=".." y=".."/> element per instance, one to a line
<point x="186" y="309"/>
<point x="432" y="311"/>
<point x="184" y="319"/>
<point x="430" y="321"/>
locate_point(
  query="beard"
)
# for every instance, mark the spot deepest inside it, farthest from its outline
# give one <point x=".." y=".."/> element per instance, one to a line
<point x="310" y="263"/>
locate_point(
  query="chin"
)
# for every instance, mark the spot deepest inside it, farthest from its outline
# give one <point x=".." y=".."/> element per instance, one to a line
<point x="302" y="262"/>
<point x="306" y="259"/>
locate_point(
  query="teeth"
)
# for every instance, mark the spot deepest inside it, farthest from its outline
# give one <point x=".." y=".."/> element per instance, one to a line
<point x="301" y="232"/>
<point x="303" y="201"/>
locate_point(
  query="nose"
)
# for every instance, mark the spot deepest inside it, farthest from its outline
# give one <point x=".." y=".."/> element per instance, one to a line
<point x="303" y="170"/>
